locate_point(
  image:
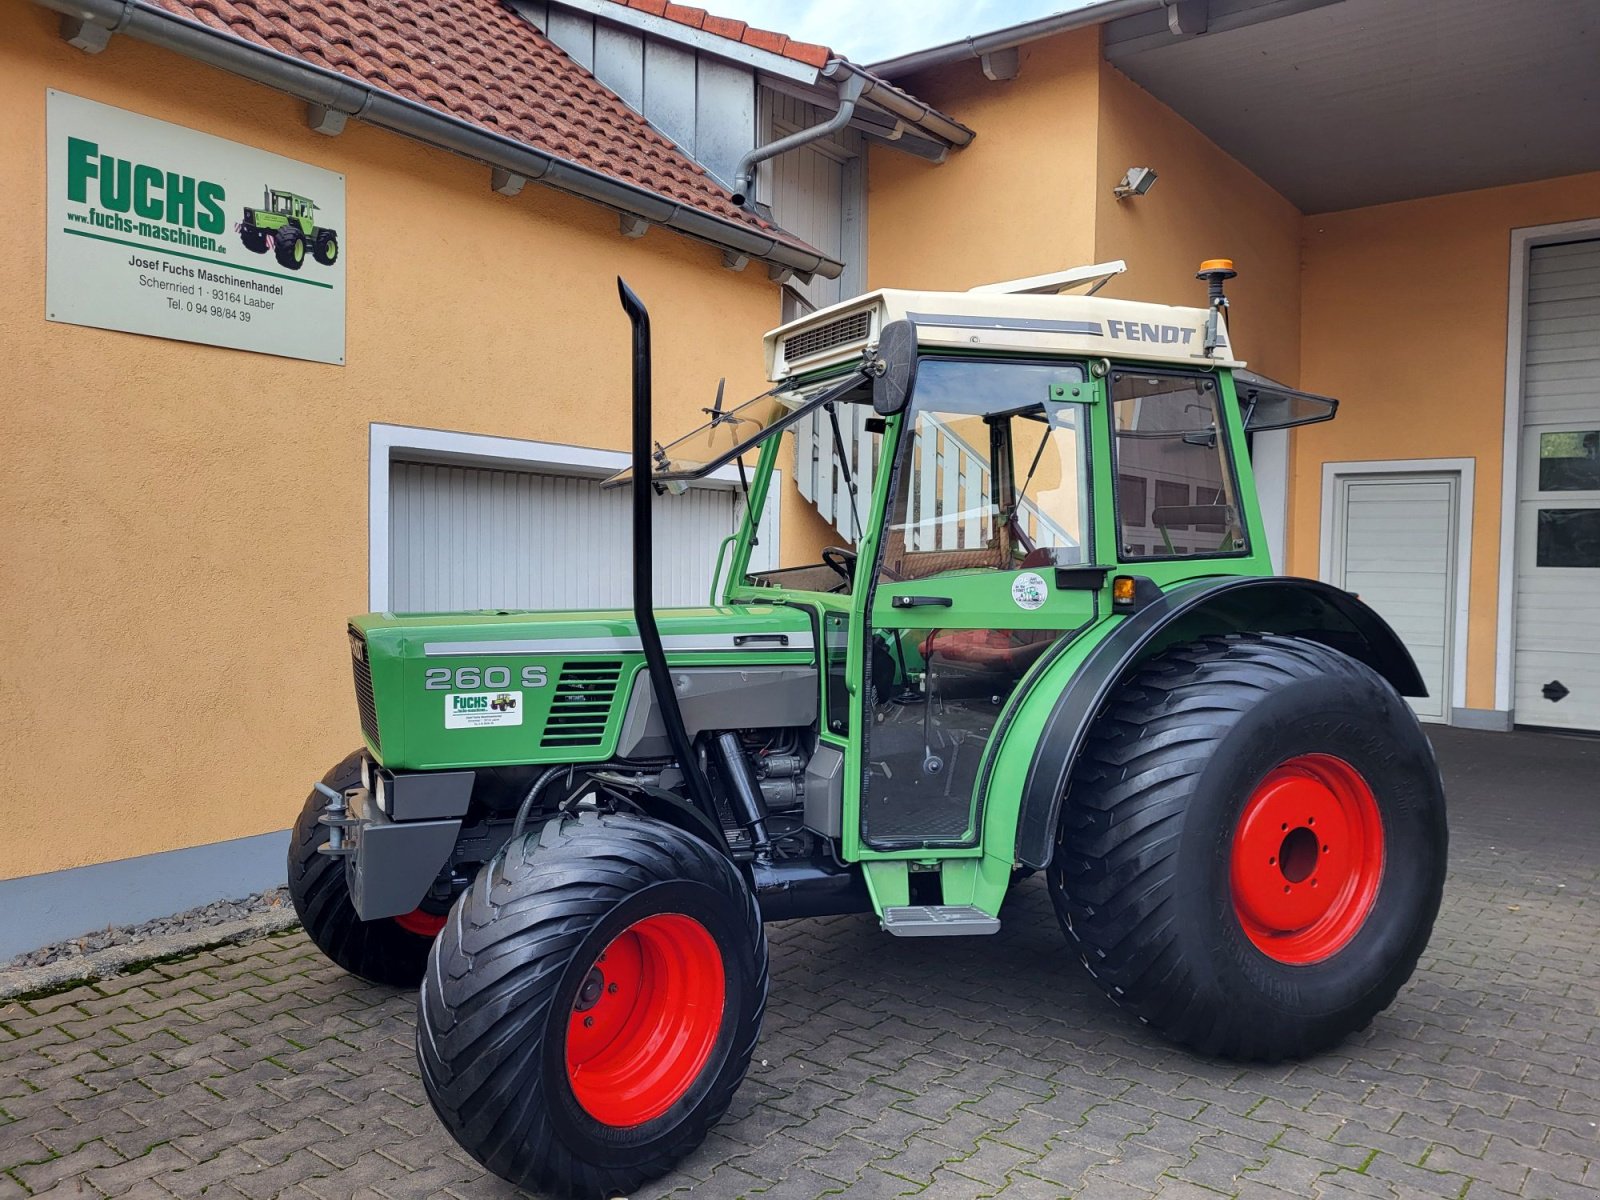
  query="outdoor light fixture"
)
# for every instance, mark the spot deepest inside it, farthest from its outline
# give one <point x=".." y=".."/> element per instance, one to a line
<point x="1136" y="182"/>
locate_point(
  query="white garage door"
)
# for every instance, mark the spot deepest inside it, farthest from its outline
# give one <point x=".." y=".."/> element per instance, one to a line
<point x="1557" y="648"/>
<point x="1394" y="546"/>
<point x="468" y="537"/>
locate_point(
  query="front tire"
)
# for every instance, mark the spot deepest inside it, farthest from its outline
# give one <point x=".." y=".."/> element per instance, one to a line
<point x="390" y="950"/>
<point x="578" y="953"/>
<point x="289" y="248"/>
<point x="1252" y="848"/>
<point x="326" y="247"/>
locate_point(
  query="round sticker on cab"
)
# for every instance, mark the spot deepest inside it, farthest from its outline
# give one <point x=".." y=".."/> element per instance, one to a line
<point x="1029" y="590"/>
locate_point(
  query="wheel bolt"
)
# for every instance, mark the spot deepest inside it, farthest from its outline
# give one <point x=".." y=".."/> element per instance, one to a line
<point x="588" y="1022"/>
<point x="612" y="988"/>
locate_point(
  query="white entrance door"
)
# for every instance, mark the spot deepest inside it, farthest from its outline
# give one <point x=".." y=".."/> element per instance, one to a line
<point x="1394" y="545"/>
<point x="1556" y="664"/>
<point x="468" y="537"/>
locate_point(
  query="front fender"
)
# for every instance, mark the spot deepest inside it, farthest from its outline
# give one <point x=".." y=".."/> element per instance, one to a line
<point x="1301" y="608"/>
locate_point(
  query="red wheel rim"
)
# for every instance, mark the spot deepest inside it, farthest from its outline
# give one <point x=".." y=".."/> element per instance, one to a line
<point x="645" y="1020"/>
<point x="423" y="924"/>
<point x="1306" y="860"/>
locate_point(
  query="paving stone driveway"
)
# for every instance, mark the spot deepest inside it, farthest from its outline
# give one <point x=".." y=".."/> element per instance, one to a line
<point x="962" y="1068"/>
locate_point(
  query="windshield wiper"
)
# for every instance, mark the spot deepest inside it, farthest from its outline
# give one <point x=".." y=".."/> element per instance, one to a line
<point x="844" y="465"/>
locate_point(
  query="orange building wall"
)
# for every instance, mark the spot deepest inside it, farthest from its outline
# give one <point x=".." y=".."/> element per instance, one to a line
<point x="185" y="527"/>
<point x="1404" y="319"/>
<point x="1205" y="204"/>
<point x="1018" y="201"/>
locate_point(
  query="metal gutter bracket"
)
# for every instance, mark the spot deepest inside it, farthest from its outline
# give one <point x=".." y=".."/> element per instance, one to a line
<point x="1000" y="65"/>
<point x="507" y="183"/>
<point x="323" y="119"/>
<point x="1187" y="18"/>
<point x="91" y="36"/>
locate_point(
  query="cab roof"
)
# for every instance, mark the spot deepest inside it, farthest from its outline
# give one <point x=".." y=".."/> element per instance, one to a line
<point x="1091" y="326"/>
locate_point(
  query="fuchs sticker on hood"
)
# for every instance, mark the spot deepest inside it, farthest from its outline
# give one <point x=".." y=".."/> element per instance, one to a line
<point x="482" y="710"/>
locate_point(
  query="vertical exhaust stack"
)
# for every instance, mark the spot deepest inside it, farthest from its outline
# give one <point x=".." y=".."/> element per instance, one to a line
<point x="644" y="612"/>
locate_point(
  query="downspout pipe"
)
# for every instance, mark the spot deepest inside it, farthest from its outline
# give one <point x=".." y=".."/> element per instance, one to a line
<point x="850" y="89"/>
<point x="331" y="89"/>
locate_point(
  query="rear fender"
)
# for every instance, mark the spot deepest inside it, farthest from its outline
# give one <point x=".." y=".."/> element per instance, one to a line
<point x="1301" y="608"/>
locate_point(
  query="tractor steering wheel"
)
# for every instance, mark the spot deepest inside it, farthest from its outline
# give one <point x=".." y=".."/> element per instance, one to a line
<point x="842" y="561"/>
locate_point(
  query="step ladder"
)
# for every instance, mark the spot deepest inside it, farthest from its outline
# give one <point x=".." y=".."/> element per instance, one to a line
<point x="938" y="920"/>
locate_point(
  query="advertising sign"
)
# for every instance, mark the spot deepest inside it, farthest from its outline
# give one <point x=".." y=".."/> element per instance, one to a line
<point x="158" y="229"/>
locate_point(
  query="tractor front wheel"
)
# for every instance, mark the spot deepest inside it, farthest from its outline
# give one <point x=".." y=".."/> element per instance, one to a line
<point x="1252" y="847"/>
<point x="326" y="248"/>
<point x="390" y="950"/>
<point x="289" y="248"/>
<point x="254" y="240"/>
<point x="592" y="1004"/>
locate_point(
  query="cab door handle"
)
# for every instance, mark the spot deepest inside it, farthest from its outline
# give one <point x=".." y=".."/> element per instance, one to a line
<point x="921" y="602"/>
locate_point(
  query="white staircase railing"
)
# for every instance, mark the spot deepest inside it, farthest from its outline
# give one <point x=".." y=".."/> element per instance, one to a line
<point x="949" y="508"/>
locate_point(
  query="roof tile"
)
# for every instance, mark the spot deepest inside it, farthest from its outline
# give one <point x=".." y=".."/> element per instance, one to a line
<point x="737" y="31"/>
<point x="480" y="62"/>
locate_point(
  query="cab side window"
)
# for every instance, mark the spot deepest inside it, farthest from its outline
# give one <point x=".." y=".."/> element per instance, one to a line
<point x="1176" y="495"/>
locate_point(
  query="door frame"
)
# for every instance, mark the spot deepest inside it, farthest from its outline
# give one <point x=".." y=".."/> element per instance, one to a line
<point x="389" y="442"/>
<point x="1465" y="470"/>
<point x="1523" y="240"/>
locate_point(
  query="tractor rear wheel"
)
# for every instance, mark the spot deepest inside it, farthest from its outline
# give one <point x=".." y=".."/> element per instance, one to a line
<point x="289" y="248"/>
<point x="1252" y="847"/>
<point x="390" y="950"/>
<point x="592" y="1004"/>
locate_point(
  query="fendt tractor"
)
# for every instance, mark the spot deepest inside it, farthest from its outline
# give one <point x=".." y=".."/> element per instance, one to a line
<point x="287" y="225"/>
<point x="1053" y="643"/>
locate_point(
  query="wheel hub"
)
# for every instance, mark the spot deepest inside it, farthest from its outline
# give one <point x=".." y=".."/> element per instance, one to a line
<point x="1307" y="856"/>
<point x="645" y="1019"/>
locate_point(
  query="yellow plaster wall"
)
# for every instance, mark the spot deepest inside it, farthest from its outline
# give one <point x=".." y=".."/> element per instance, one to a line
<point x="185" y="527"/>
<point x="1405" y="317"/>
<point x="1205" y="204"/>
<point x="1018" y="201"/>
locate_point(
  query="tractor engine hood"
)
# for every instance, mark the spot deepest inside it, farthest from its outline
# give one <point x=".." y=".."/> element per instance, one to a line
<point x="445" y="690"/>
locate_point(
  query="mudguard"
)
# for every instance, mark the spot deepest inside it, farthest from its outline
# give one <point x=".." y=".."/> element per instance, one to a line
<point x="1301" y="608"/>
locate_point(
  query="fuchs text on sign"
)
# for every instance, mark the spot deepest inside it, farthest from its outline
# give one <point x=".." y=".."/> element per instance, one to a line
<point x="160" y="230"/>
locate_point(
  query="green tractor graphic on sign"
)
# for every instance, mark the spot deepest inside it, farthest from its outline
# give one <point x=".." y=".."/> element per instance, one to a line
<point x="285" y="223"/>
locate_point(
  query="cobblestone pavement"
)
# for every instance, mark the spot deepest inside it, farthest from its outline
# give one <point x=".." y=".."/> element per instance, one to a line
<point x="960" y="1068"/>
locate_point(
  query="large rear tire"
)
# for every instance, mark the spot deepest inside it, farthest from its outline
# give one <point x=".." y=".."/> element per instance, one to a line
<point x="592" y="1004"/>
<point x="1252" y="848"/>
<point x="392" y="950"/>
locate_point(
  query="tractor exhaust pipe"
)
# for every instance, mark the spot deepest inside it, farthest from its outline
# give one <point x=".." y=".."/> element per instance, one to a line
<point x="644" y="612"/>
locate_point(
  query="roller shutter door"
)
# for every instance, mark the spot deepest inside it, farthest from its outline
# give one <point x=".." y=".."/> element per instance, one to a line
<point x="1556" y="671"/>
<point x="469" y="537"/>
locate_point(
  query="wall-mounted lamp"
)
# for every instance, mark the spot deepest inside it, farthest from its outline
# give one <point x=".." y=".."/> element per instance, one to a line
<point x="1136" y="182"/>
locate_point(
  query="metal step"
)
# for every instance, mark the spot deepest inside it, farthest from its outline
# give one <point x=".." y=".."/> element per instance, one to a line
<point x="938" y="920"/>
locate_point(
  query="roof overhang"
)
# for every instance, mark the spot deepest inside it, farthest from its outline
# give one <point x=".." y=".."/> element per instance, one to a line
<point x="1347" y="103"/>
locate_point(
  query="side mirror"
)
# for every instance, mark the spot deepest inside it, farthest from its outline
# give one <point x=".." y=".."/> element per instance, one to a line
<point x="892" y="367"/>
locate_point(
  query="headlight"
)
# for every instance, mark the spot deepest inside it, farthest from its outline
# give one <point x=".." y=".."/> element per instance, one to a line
<point x="380" y="794"/>
<point x="366" y="772"/>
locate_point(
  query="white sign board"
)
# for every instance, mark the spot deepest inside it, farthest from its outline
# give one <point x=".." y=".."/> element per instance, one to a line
<point x="157" y="229"/>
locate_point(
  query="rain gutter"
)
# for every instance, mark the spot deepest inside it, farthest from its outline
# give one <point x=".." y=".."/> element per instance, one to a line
<point x="344" y="96"/>
<point x="985" y="44"/>
<point x="902" y="105"/>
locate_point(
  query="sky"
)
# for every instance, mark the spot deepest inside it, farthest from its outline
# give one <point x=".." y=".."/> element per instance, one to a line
<point x="868" y="31"/>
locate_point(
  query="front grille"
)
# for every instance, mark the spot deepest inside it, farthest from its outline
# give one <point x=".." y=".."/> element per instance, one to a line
<point x="364" y="700"/>
<point x="581" y="707"/>
<point x="852" y="327"/>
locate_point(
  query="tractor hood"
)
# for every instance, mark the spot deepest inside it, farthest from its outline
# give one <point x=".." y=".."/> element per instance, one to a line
<point x="439" y="690"/>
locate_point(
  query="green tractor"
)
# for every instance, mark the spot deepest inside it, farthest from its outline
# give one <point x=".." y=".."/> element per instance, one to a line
<point x="1053" y="643"/>
<point x="286" y="224"/>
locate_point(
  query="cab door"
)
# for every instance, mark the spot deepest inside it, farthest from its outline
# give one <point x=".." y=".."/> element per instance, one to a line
<point x="980" y="573"/>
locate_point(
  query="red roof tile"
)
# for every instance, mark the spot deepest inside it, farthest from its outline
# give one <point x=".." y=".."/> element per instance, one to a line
<point x="479" y="61"/>
<point x="736" y="31"/>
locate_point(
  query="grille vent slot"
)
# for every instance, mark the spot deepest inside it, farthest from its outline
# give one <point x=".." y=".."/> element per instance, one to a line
<point x="364" y="700"/>
<point x="585" y="693"/>
<point x="852" y="327"/>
